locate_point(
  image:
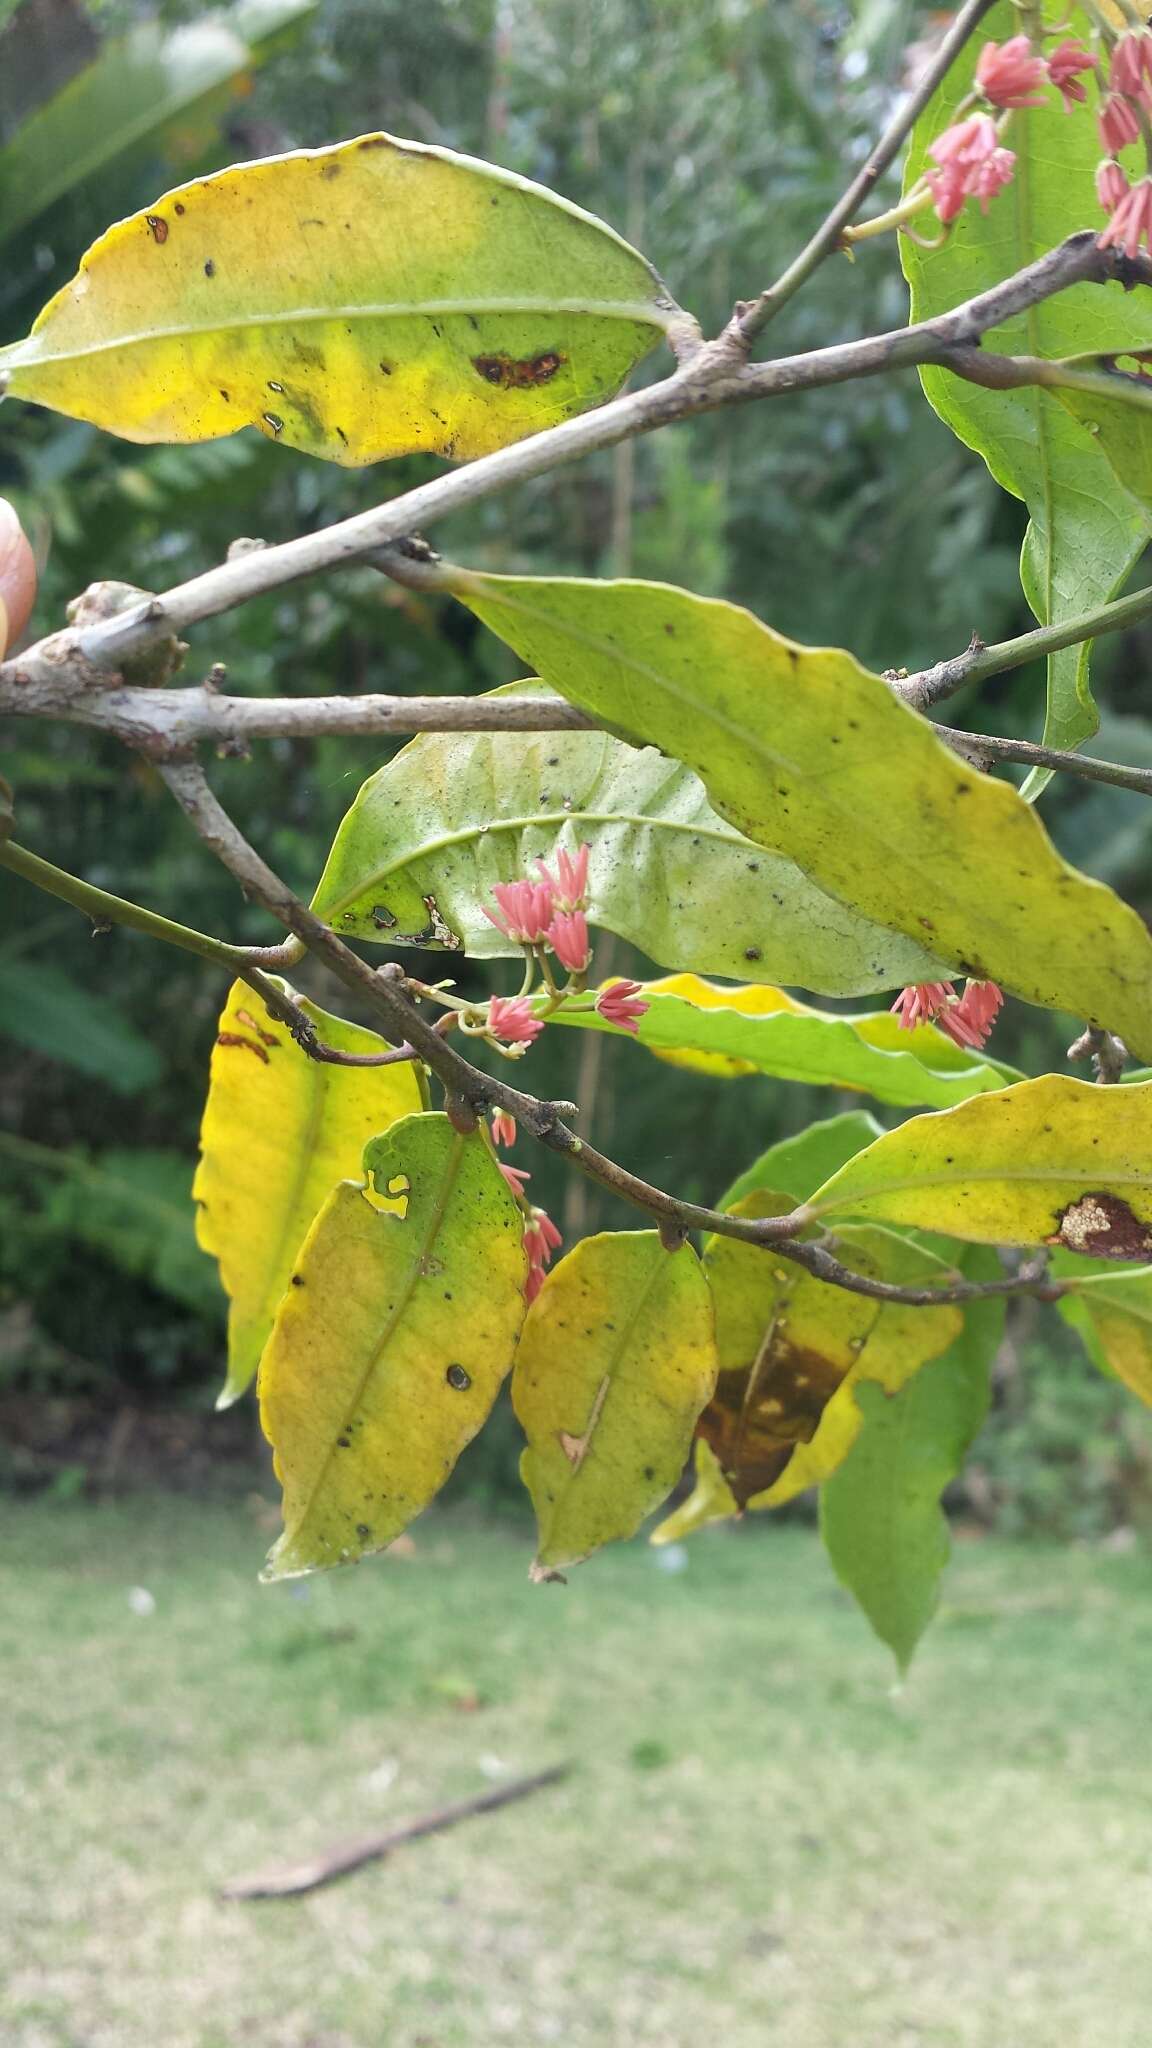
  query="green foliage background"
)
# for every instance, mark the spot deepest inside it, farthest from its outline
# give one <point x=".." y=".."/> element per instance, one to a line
<point x="713" y="138"/>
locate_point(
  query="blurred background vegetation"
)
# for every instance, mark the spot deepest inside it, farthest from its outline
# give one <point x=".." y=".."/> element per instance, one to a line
<point x="713" y="138"/>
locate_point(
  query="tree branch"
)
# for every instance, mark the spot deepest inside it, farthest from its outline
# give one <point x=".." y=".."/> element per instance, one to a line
<point x="715" y="377"/>
<point x="984" y="748"/>
<point x="750" y="319"/>
<point x="476" y="1091"/>
<point x="978" y="661"/>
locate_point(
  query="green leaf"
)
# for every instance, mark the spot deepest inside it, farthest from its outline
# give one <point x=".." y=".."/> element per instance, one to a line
<point x="798" y="1166"/>
<point x="390" y="1345"/>
<point x="136" y="88"/>
<point x="45" y="1010"/>
<point x="880" y="1513"/>
<point x="809" y="754"/>
<point x="616" y="1360"/>
<point x="733" y="1031"/>
<point x="416" y="857"/>
<point x="1113" y="405"/>
<point x="1112" y="1312"/>
<point x="279" y="1131"/>
<point x="1052" y="1161"/>
<point x="793" y="1350"/>
<point x="1085" y="533"/>
<point x="369" y="300"/>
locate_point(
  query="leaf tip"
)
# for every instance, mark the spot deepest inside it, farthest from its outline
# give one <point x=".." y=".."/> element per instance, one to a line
<point x="545" y="1574"/>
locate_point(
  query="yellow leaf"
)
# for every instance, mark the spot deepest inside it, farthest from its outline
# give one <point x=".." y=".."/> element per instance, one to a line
<point x="1052" y="1161"/>
<point x="279" y="1131"/>
<point x="368" y="300"/>
<point x="616" y="1360"/>
<point x="390" y="1346"/>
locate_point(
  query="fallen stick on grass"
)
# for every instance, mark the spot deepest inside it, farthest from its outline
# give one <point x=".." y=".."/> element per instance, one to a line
<point x="292" y="1878"/>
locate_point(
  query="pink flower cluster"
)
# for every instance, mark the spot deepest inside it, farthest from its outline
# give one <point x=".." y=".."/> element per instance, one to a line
<point x="549" y="912"/>
<point x="1128" y="103"/>
<point x="966" y="1019"/>
<point x="541" y="1237"/>
<point x="971" y="161"/>
<point x="972" y="165"/>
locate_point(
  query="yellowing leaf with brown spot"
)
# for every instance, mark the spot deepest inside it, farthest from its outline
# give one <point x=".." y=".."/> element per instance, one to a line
<point x="279" y="1131"/>
<point x="792" y="1348"/>
<point x="1048" y="1161"/>
<point x="616" y="1360"/>
<point x="388" y="1352"/>
<point x="363" y="301"/>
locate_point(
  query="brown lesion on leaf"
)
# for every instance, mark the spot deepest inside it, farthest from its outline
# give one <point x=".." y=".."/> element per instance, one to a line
<point x="266" y="1037"/>
<point x="1103" y="1227"/>
<point x="759" y="1413"/>
<point x="249" y="1044"/>
<point x="157" y="226"/>
<point x="511" y="373"/>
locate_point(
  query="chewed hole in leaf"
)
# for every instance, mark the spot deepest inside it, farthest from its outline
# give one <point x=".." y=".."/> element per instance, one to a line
<point x="389" y="1197"/>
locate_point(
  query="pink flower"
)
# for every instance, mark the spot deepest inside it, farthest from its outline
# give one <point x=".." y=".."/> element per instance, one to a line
<point x="526" y="909"/>
<point x="1111" y="185"/>
<point x="1009" y="74"/>
<point x="1063" y="66"/>
<point x="516" y="1178"/>
<point x="966" y="142"/>
<point x="971" y="163"/>
<point x="992" y="175"/>
<point x="1131" y="223"/>
<point x="618" y="1005"/>
<point x="503" y="1128"/>
<point x="568" y="937"/>
<point x="513" y="1020"/>
<point x="969" y="1021"/>
<point x="1118" y="123"/>
<point x="920" y="1003"/>
<point x="1131" y="68"/>
<point x="570" y="883"/>
<point x="541" y="1239"/>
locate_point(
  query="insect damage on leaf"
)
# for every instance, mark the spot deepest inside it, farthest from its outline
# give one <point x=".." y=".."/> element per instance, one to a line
<point x="509" y="375"/>
<point x="1104" y="1227"/>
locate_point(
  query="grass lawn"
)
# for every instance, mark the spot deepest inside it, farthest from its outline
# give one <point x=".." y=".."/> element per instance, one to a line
<point x="762" y="1841"/>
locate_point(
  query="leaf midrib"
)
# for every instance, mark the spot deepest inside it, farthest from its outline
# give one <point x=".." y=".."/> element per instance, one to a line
<point x="24" y="354"/>
<point x="428" y="848"/>
<point x="408" y="1287"/>
<point x="617" y="1355"/>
